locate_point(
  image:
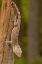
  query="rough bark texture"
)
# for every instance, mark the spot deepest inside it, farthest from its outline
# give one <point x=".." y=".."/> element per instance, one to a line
<point x="33" y="29"/>
<point x="6" y="53"/>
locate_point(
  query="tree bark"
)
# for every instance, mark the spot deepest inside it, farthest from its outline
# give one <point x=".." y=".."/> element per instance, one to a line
<point x="33" y="29"/>
<point x="6" y="53"/>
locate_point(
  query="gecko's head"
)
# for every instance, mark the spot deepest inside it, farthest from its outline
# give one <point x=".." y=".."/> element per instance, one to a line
<point x="17" y="50"/>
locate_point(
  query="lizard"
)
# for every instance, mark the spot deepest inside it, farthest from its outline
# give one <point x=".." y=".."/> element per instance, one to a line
<point x="16" y="18"/>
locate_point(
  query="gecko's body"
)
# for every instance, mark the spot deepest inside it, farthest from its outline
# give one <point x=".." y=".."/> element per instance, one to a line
<point x="15" y="16"/>
<point x="17" y="21"/>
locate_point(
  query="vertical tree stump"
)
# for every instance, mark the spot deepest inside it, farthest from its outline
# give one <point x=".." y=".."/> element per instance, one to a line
<point x="6" y="53"/>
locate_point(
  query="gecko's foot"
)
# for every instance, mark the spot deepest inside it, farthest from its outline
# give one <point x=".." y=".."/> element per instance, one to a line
<point x="6" y="41"/>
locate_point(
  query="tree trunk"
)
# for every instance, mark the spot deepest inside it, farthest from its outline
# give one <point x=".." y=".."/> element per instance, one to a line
<point x="33" y="29"/>
<point x="6" y="53"/>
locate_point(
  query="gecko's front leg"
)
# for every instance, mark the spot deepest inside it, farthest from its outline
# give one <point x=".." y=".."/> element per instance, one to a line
<point x="8" y="42"/>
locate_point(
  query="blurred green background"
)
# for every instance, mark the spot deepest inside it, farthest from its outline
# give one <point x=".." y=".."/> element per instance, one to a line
<point x="30" y="37"/>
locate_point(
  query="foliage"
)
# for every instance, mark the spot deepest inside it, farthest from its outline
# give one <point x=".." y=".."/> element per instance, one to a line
<point x="24" y="10"/>
<point x="21" y="60"/>
<point x="36" y="61"/>
<point x="0" y="2"/>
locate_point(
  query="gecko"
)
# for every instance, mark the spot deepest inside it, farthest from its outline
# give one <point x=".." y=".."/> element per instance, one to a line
<point x="16" y="18"/>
